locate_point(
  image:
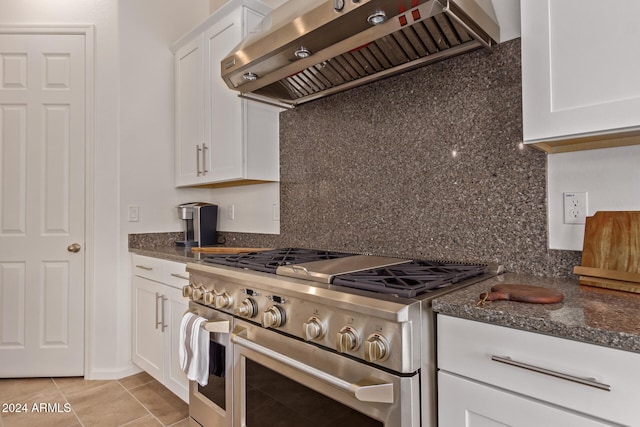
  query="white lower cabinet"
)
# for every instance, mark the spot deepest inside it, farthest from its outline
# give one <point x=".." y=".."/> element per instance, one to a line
<point x="158" y="307"/>
<point x="148" y="338"/>
<point x="491" y="376"/>
<point x="464" y="402"/>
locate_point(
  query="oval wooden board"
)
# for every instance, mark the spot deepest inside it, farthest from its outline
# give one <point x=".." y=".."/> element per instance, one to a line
<point x="523" y="293"/>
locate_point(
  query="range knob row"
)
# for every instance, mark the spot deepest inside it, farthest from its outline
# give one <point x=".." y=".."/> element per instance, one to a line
<point x="376" y="347"/>
<point x="199" y="293"/>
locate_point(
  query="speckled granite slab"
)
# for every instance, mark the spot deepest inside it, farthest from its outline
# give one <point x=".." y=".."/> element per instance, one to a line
<point x="587" y="314"/>
<point x="162" y="245"/>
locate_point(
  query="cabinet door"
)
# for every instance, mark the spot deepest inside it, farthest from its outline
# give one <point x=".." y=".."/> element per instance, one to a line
<point x="189" y="110"/>
<point x="545" y="368"/>
<point x="579" y="67"/>
<point x="223" y="111"/>
<point x="466" y="403"/>
<point x="174" y="379"/>
<point x="148" y="339"/>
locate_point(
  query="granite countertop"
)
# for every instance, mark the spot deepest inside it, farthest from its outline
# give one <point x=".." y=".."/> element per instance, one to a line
<point x="587" y="314"/>
<point x="171" y="253"/>
<point x="162" y="245"/>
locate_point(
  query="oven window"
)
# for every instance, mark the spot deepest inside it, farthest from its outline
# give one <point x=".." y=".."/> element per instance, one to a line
<point x="275" y="400"/>
<point x="215" y="388"/>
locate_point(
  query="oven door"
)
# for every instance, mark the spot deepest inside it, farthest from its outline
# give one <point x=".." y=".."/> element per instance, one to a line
<point x="210" y="406"/>
<point x="282" y="381"/>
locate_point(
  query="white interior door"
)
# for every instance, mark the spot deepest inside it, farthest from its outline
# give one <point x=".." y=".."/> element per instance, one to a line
<point x="42" y="206"/>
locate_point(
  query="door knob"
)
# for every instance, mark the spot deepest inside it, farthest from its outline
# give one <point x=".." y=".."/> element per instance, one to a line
<point x="74" y="247"/>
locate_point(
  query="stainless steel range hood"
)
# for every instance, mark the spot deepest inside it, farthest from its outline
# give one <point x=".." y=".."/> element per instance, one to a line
<point x="307" y="49"/>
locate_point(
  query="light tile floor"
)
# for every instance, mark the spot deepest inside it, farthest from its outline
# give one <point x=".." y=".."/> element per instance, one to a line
<point x="135" y="401"/>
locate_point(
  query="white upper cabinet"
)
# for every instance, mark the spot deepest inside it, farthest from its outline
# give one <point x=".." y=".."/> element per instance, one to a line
<point x="221" y="139"/>
<point x="580" y="67"/>
<point x="189" y="112"/>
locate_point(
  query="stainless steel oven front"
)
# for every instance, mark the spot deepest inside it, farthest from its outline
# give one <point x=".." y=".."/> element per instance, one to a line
<point x="284" y="381"/>
<point x="211" y="405"/>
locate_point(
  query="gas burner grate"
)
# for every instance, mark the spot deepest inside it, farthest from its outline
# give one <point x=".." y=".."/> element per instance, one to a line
<point x="410" y="279"/>
<point x="269" y="261"/>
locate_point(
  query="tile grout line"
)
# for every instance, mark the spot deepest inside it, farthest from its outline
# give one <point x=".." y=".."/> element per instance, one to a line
<point x="141" y="404"/>
<point x="64" y="396"/>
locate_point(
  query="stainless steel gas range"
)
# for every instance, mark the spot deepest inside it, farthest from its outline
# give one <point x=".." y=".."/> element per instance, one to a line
<point x="320" y="338"/>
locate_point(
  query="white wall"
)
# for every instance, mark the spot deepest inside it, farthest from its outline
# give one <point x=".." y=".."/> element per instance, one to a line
<point x="249" y="209"/>
<point x="610" y="176"/>
<point x="146" y="30"/>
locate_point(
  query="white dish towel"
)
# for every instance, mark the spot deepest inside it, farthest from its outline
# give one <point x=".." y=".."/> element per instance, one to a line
<point x="193" y="353"/>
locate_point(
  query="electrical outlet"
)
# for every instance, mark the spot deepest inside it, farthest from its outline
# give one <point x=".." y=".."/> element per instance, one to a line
<point x="575" y="207"/>
<point x="231" y="212"/>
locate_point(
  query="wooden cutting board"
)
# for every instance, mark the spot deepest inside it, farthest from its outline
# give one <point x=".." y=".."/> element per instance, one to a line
<point x="523" y="293"/>
<point x="611" y="251"/>
<point x="226" y="250"/>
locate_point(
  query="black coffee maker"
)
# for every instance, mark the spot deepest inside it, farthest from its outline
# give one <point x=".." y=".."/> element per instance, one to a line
<point x="200" y="224"/>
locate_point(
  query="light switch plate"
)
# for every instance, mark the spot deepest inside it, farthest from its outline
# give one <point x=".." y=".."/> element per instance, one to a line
<point x="134" y="213"/>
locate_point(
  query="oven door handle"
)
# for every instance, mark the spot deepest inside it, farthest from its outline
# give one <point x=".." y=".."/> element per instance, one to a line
<point x="222" y="326"/>
<point x="368" y="389"/>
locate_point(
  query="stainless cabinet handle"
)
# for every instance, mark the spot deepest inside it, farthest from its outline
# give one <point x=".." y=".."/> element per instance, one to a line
<point x="584" y="381"/>
<point x="157" y="322"/>
<point x="144" y="267"/>
<point x="162" y="324"/>
<point x="160" y="321"/>
<point x="198" y="150"/>
<point x="179" y="276"/>
<point x="366" y="390"/>
<point x="204" y="158"/>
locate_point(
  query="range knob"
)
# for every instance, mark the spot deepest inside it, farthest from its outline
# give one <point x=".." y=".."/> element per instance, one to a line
<point x="222" y="300"/>
<point x="208" y="297"/>
<point x="312" y="329"/>
<point x="347" y="340"/>
<point x="247" y="308"/>
<point x="273" y="317"/>
<point x="197" y="294"/>
<point x="187" y="291"/>
<point x="376" y="348"/>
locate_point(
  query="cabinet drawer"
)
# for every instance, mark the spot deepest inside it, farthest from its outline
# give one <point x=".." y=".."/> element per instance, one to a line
<point x="463" y="402"/>
<point x="470" y="348"/>
<point x="147" y="267"/>
<point x="176" y="274"/>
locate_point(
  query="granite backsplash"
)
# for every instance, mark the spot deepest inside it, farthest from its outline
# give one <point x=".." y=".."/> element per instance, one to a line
<point x="427" y="164"/>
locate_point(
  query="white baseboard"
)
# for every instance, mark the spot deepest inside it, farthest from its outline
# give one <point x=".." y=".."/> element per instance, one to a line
<point x="112" y="374"/>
